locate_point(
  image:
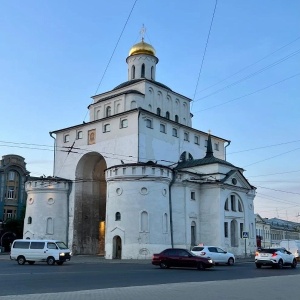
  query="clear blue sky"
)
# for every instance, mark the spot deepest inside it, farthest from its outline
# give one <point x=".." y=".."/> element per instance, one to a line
<point x="53" y="55"/>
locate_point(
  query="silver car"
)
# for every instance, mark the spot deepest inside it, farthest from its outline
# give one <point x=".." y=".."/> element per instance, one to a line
<point x="217" y="254"/>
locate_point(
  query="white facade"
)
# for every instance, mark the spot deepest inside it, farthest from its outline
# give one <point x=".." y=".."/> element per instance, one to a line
<point x="143" y="179"/>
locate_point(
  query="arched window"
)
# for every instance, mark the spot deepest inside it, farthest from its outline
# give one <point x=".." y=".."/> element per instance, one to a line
<point x="152" y="73"/>
<point x="133" y="72"/>
<point x="143" y="71"/>
<point x="158" y="111"/>
<point x="144" y="222"/>
<point x="118" y="216"/>
<point x="29" y="220"/>
<point x="240" y="207"/>
<point x="167" y="115"/>
<point x="176" y="118"/>
<point x="108" y="111"/>
<point x="226" y="205"/>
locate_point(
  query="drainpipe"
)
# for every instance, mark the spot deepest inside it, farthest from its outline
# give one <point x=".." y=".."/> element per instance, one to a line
<point x="54" y="152"/>
<point x="170" y="207"/>
<point x="68" y="211"/>
<point x="226" y="147"/>
<point x="138" y="148"/>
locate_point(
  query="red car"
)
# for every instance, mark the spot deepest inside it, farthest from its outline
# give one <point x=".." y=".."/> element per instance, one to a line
<point x="175" y="257"/>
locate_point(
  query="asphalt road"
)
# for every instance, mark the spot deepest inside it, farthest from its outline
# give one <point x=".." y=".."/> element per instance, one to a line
<point x="100" y="279"/>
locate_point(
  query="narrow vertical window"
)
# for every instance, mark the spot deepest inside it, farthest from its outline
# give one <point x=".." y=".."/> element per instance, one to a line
<point x="233" y="203"/>
<point x="193" y="234"/>
<point x="226" y="229"/>
<point x="176" y="118"/>
<point x="241" y="229"/>
<point x="133" y="72"/>
<point x="167" y="115"/>
<point x="165" y="223"/>
<point x="144" y="222"/>
<point x="158" y="111"/>
<point x="152" y="73"/>
<point x="118" y="216"/>
<point x="143" y="71"/>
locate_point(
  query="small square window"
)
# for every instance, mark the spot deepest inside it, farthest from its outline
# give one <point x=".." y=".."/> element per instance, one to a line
<point x="196" y="140"/>
<point x="148" y="123"/>
<point x="107" y="128"/>
<point x="66" y="138"/>
<point x="124" y="123"/>
<point x="186" y="136"/>
<point x="193" y="195"/>
<point x="79" y="135"/>
<point x="163" y="128"/>
<point x="217" y="146"/>
<point x="174" y="132"/>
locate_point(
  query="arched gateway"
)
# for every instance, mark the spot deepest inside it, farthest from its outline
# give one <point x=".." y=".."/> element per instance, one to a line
<point x="90" y="205"/>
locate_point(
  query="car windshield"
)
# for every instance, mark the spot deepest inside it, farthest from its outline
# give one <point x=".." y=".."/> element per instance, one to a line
<point x="61" y="245"/>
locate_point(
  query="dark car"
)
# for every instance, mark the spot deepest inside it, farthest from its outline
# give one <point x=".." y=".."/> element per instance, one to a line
<point x="177" y="258"/>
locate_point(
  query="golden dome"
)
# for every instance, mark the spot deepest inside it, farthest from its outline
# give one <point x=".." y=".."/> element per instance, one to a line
<point x="142" y="48"/>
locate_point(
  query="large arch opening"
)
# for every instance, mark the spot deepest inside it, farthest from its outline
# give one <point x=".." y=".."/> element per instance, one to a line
<point x="90" y="205"/>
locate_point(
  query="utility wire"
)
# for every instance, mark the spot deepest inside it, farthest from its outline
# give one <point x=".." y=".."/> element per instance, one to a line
<point x="272" y="157"/>
<point x="247" y="67"/>
<point x="249" y="94"/>
<point x="211" y="23"/>
<point x="263" y="147"/>
<point x="114" y="50"/>
<point x="250" y="76"/>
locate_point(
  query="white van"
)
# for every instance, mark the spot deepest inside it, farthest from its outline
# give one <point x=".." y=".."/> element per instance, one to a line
<point x="50" y="251"/>
<point x="292" y="246"/>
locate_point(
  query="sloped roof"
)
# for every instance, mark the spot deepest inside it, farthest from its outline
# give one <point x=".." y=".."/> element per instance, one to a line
<point x="202" y="162"/>
<point x="207" y="160"/>
<point x="127" y="83"/>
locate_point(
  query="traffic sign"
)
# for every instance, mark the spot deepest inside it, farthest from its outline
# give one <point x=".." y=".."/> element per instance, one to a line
<point x="245" y="234"/>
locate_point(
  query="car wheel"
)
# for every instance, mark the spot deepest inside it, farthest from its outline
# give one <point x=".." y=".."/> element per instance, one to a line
<point x="31" y="262"/>
<point x="280" y="264"/>
<point x="21" y="260"/>
<point x="200" y="266"/>
<point x="230" y="261"/>
<point x="59" y="263"/>
<point x="163" y="265"/>
<point x="50" y="260"/>
<point x="258" y="266"/>
<point x="294" y="264"/>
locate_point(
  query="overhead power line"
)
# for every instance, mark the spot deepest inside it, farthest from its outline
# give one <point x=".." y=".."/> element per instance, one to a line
<point x="250" y="76"/>
<point x="263" y="147"/>
<point x="114" y="50"/>
<point x="211" y="23"/>
<point x="249" y="94"/>
<point x="247" y="67"/>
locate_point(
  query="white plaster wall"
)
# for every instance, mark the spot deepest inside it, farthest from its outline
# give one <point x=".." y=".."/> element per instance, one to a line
<point x="40" y="207"/>
<point x="128" y="197"/>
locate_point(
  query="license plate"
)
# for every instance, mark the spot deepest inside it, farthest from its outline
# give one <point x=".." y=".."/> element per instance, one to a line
<point x="264" y="254"/>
